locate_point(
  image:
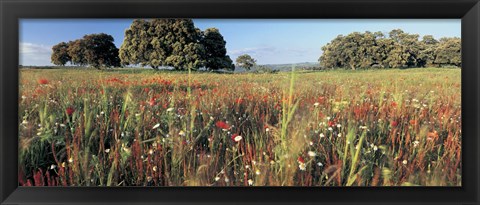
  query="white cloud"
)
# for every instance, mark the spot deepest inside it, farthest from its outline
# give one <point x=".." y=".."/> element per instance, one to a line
<point x="254" y="51"/>
<point x="34" y="54"/>
<point x="275" y="55"/>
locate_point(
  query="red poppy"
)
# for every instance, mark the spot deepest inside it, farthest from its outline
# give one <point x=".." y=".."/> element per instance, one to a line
<point x="222" y="125"/>
<point x="239" y="101"/>
<point x="321" y="99"/>
<point x="70" y="110"/>
<point x="301" y="160"/>
<point x="114" y="80"/>
<point x="43" y="81"/>
<point x="331" y="124"/>
<point x="413" y="122"/>
<point x="394" y="123"/>
<point x="152" y="102"/>
<point x="394" y="104"/>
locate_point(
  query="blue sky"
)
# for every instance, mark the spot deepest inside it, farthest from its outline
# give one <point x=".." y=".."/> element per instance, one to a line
<point x="270" y="41"/>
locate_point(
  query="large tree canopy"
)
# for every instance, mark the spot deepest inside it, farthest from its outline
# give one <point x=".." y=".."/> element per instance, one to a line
<point x="216" y="53"/>
<point x="448" y="52"/>
<point x="187" y="51"/>
<point x="398" y="50"/>
<point x="100" y="50"/>
<point x="76" y="51"/>
<point x="426" y="56"/>
<point x="173" y="42"/>
<point x="135" y="47"/>
<point x="96" y="50"/>
<point x="60" y="54"/>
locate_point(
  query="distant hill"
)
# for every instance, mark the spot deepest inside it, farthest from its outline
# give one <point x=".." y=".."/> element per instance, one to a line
<point x="277" y="67"/>
<point x="285" y="67"/>
<point x="288" y="67"/>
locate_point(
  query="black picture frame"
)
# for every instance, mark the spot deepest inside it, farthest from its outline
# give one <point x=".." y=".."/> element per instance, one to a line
<point x="466" y="10"/>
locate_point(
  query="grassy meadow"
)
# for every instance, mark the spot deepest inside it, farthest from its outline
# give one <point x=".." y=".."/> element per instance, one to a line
<point x="127" y="127"/>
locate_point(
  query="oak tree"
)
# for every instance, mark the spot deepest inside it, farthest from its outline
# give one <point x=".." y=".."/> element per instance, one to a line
<point x="216" y="54"/>
<point x="245" y="61"/>
<point x="60" y="54"/>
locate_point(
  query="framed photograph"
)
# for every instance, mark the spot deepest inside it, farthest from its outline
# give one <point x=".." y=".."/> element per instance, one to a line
<point x="239" y="102"/>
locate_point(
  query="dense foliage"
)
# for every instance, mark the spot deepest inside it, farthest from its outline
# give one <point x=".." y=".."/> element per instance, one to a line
<point x="96" y="50"/>
<point x="216" y="53"/>
<point x="60" y="54"/>
<point x="398" y="50"/>
<point x="173" y="42"/>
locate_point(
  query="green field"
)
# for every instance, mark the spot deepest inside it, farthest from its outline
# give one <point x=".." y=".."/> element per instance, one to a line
<point x="135" y="127"/>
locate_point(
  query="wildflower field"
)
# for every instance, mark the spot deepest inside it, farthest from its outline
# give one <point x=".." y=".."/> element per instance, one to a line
<point x="135" y="127"/>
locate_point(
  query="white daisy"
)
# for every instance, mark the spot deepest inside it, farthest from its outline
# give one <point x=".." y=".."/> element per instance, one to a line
<point x="302" y="166"/>
<point x="238" y="138"/>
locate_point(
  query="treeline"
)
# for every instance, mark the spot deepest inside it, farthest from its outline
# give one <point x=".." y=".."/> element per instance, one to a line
<point x="179" y="44"/>
<point x="96" y="50"/>
<point x="397" y="50"/>
<point x="155" y="43"/>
